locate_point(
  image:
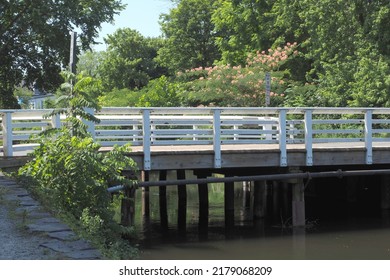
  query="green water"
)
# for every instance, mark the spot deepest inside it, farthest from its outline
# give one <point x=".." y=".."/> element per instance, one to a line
<point x="347" y="237"/>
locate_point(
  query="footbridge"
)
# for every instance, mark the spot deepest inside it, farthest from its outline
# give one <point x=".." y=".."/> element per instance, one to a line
<point x="191" y="138"/>
<point x="266" y="148"/>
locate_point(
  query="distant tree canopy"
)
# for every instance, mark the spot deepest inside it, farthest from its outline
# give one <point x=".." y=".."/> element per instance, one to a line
<point x="129" y="61"/>
<point x="190" y="37"/>
<point x="34" y="39"/>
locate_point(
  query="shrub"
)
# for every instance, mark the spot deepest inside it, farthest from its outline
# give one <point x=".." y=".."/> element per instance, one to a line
<point x="70" y="172"/>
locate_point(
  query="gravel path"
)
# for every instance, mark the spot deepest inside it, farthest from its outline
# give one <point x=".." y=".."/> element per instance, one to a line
<point x="27" y="232"/>
<point x="16" y="244"/>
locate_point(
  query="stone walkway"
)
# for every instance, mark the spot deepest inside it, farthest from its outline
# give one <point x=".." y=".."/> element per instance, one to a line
<point x="30" y="233"/>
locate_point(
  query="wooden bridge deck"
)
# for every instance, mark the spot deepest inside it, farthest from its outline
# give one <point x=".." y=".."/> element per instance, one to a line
<point x="241" y="156"/>
<point x="257" y="155"/>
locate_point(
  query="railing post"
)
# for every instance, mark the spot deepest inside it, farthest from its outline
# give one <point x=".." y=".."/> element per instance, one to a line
<point x="217" y="137"/>
<point x="56" y="121"/>
<point x="368" y="135"/>
<point x="194" y="136"/>
<point x="146" y="138"/>
<point x="7" y="134"/>
<point x="283" y="137"/>
<point x="90" y="124"/>
<point x="309" y="137"/>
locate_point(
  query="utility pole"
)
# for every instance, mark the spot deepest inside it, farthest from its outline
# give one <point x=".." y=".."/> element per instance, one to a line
<point x="73" y="55"/>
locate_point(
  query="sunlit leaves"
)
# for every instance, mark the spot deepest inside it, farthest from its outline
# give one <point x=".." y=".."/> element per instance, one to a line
<point x="34" y="39"/>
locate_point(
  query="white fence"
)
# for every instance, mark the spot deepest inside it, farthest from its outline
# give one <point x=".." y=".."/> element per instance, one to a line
<point x="149" y="127"/>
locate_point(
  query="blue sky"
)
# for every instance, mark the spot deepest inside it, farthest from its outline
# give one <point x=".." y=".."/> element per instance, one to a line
<point x="141" y="15"/>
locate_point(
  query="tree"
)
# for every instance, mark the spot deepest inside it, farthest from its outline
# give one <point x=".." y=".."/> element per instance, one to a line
<point x="160" y="93"/>
<point x="352" y="68"/>
<point x="129" y="60"/>
<point x="70" y="173"/>
<point x="89" y="63"/>
<point x="242" y="27"/>
<point x="190" y="36"/>
<point x="35" y="39"/>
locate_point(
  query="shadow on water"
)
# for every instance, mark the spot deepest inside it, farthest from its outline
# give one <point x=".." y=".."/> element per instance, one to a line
<point x="359" y="232"/>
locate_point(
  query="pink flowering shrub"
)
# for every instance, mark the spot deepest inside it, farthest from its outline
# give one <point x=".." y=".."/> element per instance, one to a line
<point x="237" y="86"/>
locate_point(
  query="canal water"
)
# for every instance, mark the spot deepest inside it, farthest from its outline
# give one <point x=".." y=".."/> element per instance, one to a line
<point x="360" y="231"/>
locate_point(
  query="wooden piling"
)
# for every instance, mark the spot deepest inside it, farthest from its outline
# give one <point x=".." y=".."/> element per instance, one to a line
<point x="182" y="200"/>
<point x="145" y="196"/>
<point x="203" y="192"/>
<point x="259" y="199"/>
<point x="246" y="195"/>
<point x="163" y="200"/>
<point x="276" y="208"/>
<point x="229" y="205"/>
<point x="298" y="203"/>
<point x="286" y="201"/>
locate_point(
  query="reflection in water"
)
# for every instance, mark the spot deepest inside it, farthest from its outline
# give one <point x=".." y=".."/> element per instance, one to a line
<point x="347" y="237"/>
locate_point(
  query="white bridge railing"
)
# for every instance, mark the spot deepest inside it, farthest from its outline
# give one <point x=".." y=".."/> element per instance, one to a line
<point x="149" y="127"/>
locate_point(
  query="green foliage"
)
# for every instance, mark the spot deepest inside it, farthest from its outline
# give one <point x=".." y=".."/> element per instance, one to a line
<point x="68" y="169"/>
<point x="75" y="98"/>
<point x="129" y="60"/>
<point x="303" y="96"/>
<point x="35" y="39"/>
<point x="89" y="63"/>
<point x="370" y="86"/>
<point x="161" y="93"/>
<point x="190" y="36"/>
<point x="120" y="98"/>
<point x="242" y="27"/>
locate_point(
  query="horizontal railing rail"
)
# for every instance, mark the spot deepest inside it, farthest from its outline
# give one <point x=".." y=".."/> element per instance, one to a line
<point x="148" y="127"/>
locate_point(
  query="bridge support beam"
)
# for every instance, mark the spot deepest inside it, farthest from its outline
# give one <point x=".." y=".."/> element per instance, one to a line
<point x="182" y="200"/>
